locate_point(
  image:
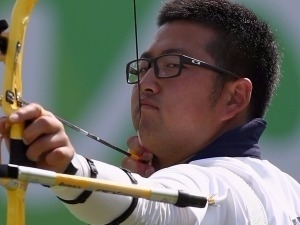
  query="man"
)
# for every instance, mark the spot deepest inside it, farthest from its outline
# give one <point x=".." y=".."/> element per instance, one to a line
<point x="200" y="92"/>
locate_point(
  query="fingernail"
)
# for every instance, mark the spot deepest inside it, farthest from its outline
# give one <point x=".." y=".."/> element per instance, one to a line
<point x="149" y="171"/>
<point x="13" y="117"/>
<point x="147" y="156"/>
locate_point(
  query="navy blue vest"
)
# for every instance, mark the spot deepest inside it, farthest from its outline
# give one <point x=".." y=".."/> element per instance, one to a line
<point x="239" y="142"/>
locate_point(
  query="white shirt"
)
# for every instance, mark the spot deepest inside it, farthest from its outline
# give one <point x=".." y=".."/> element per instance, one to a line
<point x="279" y="193"/>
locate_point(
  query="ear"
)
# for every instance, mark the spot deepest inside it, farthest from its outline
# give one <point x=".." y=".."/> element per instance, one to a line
<point x="237" y="95"/>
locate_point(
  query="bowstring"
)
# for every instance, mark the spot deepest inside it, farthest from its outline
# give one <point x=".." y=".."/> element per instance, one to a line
<point x="137" y="51"/>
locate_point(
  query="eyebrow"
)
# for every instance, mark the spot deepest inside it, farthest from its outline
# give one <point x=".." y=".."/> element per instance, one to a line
<point x="148" y="55"/>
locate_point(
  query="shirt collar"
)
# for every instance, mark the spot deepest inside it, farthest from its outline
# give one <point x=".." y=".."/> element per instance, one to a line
<point x="239" y="142"/>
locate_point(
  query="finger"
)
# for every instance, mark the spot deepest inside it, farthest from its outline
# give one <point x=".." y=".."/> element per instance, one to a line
<point x="41" y="126"/>
<point x="1" y="149"/>
<point x="4" y="130"/>
<point x="134" y="166"/>
<point x="51" y="151"/>
<point x="134" y="146"/>
<point x="149" y="171"/>
<point x="56" y="160"/>
<point x="138" y="152"/>
<point x="4" y="125"/>
<point x="28" y="112"/>
<point x="44" y="144"/>
<point x="147" y="156"/>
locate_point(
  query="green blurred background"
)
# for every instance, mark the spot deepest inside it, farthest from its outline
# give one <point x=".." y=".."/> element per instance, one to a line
<point x="74" y="63"/>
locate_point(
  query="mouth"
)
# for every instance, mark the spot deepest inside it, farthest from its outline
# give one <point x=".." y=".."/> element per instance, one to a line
<point x="146" y="104"/>
<point x="144" y="110"/>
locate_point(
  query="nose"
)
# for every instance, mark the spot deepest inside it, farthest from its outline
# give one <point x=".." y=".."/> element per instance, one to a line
<point x="149" y="83"/>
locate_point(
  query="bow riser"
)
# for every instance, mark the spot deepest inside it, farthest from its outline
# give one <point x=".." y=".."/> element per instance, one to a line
<point x="12" y="85"/>
<point x="10" y="102"/>
<point x="12" y="81"/>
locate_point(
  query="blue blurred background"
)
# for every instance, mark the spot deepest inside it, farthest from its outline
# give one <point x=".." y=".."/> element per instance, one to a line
<point x="74" y="63"/>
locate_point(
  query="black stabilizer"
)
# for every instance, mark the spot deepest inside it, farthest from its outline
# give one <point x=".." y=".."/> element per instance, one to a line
<point x="7" y="171"/>
<point x="3" y="40"/>
<point x="18" y="154"/>
<point x="187" y="200"/>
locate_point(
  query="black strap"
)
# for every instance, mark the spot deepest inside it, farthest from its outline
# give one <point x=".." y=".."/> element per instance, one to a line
<point x="71" y="169"/>
<point x="86" y="194"/>
<point x="132" y="206"/>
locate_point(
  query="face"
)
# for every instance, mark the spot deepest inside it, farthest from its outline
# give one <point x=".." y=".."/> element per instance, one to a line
<point x="177" y="118"/>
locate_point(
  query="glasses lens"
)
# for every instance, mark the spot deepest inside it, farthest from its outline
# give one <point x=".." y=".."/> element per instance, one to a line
<point x="165" y="66"/>
<point x="132" y="73"/>
<point x="168" y="65"/>
<point x="136" y="70"/>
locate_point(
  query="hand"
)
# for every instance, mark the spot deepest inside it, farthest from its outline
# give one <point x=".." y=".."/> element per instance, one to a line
<point x="48" y="144"/>
<point x="143" y="169"/>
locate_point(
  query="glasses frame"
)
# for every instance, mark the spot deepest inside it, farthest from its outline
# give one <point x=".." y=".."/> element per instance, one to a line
<point x="184" y="60"/>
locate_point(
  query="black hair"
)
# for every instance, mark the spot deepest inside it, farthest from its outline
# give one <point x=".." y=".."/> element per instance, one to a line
<point x="244" y="44"/>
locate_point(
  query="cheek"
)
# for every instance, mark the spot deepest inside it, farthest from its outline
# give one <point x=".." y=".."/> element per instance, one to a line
<point x="134" y="96"/>
<point x="191" y="102"/>
<point x="193" y="120"/>
<point x="135" y="107"/>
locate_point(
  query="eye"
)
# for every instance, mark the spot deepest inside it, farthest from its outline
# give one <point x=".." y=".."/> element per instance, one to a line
<point x="142" y="67"/>
<point x="142" y="72"/>
<point x="173" y="65"/>
<point x="133" y="71"/>
<point x="169" y="62"/>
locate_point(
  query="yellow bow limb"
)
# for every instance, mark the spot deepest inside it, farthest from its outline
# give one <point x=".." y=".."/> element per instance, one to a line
<point x="10" y="102"/>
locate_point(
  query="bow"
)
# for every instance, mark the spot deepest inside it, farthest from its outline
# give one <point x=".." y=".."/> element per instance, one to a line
<point x="11" y="55"/>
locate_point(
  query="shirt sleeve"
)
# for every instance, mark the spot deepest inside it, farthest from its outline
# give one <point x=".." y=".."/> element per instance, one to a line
<point x="102" y="208"/>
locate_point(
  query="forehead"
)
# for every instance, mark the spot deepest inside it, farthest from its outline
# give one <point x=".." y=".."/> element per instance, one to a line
<point x="182" y="37"/>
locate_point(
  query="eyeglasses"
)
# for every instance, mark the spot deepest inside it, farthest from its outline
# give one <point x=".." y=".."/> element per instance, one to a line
<point x="166" y="66"/>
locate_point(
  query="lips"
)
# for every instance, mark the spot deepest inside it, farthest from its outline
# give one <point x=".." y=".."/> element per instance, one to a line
<point x="145" y="103"/>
